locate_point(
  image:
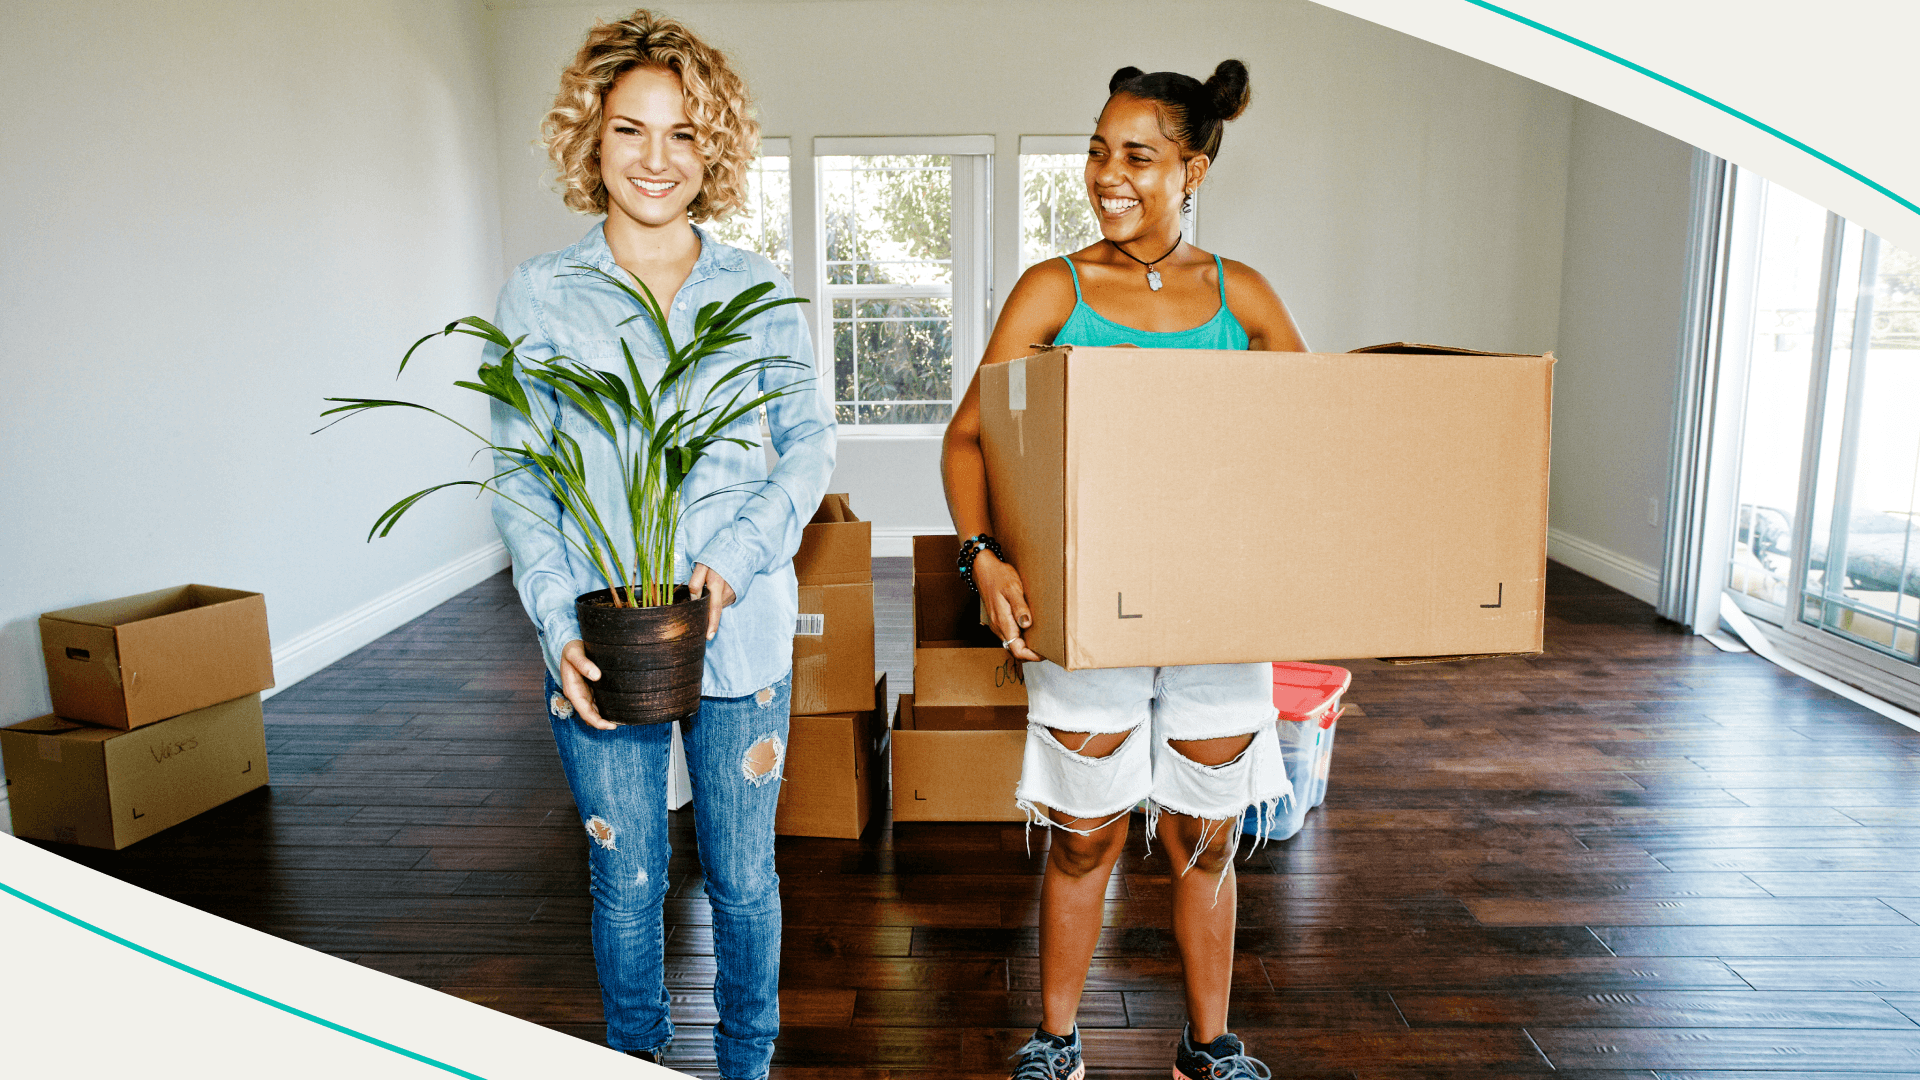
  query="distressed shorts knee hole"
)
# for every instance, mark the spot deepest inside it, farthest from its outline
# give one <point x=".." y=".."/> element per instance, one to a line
<point x="1172" y="704"/>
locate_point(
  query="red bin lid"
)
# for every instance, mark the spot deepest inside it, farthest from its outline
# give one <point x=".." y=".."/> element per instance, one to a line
<point x="1301" y="691"/>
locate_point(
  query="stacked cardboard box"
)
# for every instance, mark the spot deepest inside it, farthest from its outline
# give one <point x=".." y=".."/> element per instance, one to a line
<point x="957" y="738"/>
<point x="156" y="717"/>
<point x="837" y="738"/>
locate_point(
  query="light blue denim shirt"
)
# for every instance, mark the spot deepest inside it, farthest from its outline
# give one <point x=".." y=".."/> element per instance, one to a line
<point x="747" y="535"/>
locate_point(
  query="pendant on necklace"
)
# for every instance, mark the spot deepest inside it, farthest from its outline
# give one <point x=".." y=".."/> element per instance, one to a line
<point x="1153" y="279"/>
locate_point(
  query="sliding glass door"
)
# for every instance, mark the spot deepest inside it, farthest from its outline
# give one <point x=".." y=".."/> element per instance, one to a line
<point x="1820" y="345"/>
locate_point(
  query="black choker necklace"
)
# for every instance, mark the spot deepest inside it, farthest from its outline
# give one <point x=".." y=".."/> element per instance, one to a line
<point x="1153" y="276"/>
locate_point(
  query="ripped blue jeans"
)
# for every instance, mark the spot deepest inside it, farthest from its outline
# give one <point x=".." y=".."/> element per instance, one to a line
<point x="619" y="782"/>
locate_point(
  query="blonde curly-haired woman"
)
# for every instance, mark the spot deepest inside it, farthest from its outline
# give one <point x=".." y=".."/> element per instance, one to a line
<point x="651" y="129"/>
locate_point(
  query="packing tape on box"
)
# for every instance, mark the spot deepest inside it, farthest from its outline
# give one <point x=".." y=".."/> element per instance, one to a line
<point x="1017" y="385"/>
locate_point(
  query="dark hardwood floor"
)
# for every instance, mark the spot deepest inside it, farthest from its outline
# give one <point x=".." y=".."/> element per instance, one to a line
<point x="1633" y="856"/>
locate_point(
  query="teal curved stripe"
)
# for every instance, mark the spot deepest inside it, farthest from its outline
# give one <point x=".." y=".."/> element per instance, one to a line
<point x="1698" y="96"/>
<point x="241" y="990"/>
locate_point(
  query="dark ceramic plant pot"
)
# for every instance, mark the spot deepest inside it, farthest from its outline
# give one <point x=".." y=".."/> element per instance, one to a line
<point x="650" y="658"/>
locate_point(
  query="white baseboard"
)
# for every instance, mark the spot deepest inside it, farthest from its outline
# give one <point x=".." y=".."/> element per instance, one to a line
<point x="1630" y="576"/>
<point x="896" y="541"/>
<point x="301" y="656"/>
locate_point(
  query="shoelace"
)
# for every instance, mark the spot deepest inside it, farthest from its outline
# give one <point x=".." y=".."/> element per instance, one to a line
<point x="1042" y="1061"/>
<point x="1234" y="1067"/>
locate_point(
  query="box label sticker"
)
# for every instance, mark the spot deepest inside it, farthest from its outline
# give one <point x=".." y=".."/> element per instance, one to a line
<point x="49" y="748"/>
<point x="1017" y="385"/>
<point x="810" y="625"/>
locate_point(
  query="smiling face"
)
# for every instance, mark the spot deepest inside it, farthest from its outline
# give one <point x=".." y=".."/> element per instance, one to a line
<point x="647" y="157"/>
<point x="1135" y="175"/>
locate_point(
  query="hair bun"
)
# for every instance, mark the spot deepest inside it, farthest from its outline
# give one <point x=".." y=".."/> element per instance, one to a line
<point x="1227" y="90"/>
<point x="1123" y="75"/>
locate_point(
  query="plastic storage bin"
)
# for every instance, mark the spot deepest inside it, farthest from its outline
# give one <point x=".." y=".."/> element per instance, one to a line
<point x="1308" y="697"/>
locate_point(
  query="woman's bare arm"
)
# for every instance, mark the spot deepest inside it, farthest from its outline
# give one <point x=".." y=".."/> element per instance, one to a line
<point x="1269" y="325"/>
<point x="1035" y="311"/>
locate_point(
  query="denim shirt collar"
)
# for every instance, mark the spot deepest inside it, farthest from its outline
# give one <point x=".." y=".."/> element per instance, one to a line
<point x="592" y="249"/>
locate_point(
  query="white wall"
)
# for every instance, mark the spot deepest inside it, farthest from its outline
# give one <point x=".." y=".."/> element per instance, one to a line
<point x="1622" y="298"/>
<point x="216" y="213"/>
<point x="1389" y="188"/>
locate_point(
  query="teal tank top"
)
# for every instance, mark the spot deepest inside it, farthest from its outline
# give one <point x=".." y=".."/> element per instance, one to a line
<point x="1088" y="327"/>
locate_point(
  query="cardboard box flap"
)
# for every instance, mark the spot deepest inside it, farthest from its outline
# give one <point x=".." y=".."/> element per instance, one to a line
<point x="936" y="554"/>
<point x="1419" y="348"/>
<point x="61" y="727"/>
<point x="153" y="605"/>
<point x="834" y="509"/>
<point x="836" y="548"/>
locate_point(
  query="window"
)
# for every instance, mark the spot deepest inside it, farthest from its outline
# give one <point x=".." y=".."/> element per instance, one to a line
<point x="765" y="223"/>
<point x="903" y="271"/>
<point x="1056" y="214"/>
<point x="1820" y="348"/>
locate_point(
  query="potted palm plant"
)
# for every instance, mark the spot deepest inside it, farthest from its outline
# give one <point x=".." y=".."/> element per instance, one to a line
<point x="643" y="631"/>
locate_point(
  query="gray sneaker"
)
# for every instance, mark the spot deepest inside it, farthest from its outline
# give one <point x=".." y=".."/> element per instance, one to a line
<point x="1047" y="1056"/>
<point x="1222" y="1059"/>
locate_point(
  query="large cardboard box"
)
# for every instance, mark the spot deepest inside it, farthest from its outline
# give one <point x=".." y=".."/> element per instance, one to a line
<point x="956" y="660"/>
<point x="833" y="636"/>
<point x="1204" y="507"/>
<point x="836" y="771"/>
<point x="138" y="659"/>
<point x="79" y="784"/>
<point x="957" y="763"/>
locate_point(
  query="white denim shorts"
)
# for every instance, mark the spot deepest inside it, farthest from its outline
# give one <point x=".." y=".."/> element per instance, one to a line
<point x="1159" y="707"/>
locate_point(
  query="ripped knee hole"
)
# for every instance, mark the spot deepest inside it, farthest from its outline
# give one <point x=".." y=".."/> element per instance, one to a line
<point x="762" y="760"/>
<point x="1213" y="753"/>
<point x="1090" y="744"/>
<point x="601" y="832"/>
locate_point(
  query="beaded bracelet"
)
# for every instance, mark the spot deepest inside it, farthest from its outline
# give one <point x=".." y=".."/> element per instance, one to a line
<point x="970" y="549"/>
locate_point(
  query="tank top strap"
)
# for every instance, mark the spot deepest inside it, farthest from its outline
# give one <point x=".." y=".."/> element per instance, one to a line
<point x="1220" y="268"/>
<point x="1077" y="298"/>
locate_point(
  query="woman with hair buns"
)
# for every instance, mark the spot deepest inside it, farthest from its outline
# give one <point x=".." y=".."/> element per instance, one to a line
<point x="1197" y="742"/>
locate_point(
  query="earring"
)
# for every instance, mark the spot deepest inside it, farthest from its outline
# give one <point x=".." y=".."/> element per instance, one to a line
<point x="1186" y="203"/>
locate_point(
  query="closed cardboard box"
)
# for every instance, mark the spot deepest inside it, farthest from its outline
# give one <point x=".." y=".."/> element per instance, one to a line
<point x="837" y="548"/>
<point x="833" y="649"/>
<point x="957" y="763"/>
<point x="1206" y="507"/>
<point x="833" y="637"/>
<point x="79" y="784"/>
<point x="835" y="773"/>
<point x="127" y="662"/>
<point x="956" y="660"/>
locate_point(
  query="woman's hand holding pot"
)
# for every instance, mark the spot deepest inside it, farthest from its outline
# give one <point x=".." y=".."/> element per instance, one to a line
<point x="575" y="671"/>
<point x="1005" y="596"/>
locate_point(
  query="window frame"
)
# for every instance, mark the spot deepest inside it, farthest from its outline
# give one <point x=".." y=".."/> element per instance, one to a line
<point x="972" y="252"/>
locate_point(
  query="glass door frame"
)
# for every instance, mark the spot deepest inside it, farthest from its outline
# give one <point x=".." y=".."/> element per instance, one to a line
<point x="1739" y="213"/>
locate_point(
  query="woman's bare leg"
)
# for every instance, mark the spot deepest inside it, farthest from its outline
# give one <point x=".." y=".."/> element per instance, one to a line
<point x="1073" y="896"/>
<point x="1204" y="896"/>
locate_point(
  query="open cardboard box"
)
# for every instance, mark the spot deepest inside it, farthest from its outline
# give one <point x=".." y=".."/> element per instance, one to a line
<point x="957" y="762"/>
<point x="127" y="662"/>
<point x="836" y="771"/>
<point x="836" y="548"/>
<point x="79" y="784"/>
<point x="1208" y="507"/>
<point x="833" y="636"/>
<point x="956" y="661"/>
